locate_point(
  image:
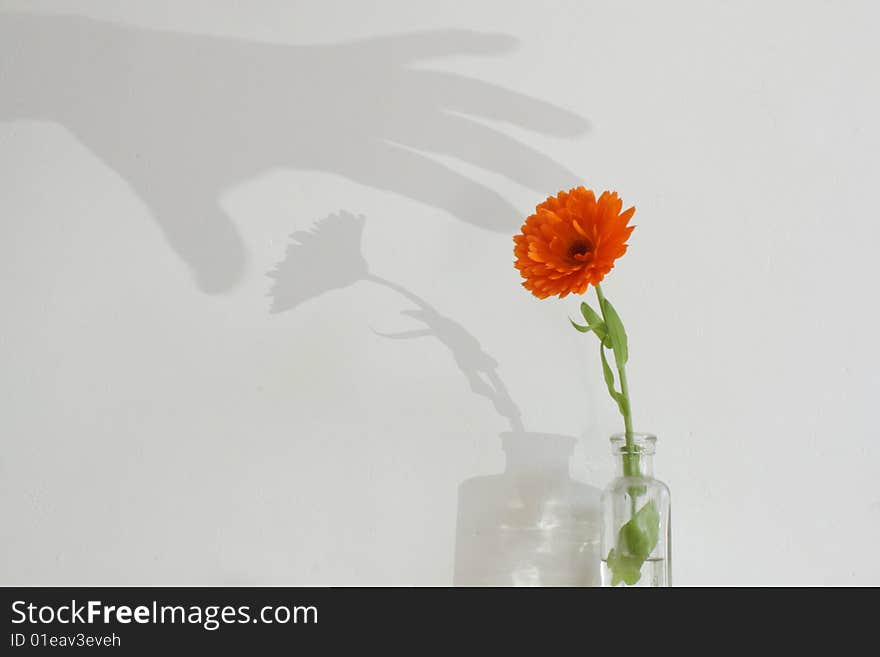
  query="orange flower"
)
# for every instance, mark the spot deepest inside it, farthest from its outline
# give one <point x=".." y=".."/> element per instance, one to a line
<point x="571" y="242"/>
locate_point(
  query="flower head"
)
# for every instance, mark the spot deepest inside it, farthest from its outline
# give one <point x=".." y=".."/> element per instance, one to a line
<point x="571" y="242"/>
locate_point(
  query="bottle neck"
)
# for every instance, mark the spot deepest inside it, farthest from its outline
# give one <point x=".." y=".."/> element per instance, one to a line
<point x="634" y="454"/>
<point x="634" y="465"/>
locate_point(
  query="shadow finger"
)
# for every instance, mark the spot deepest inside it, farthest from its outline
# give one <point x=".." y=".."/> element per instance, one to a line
<point x="455" y="92"/>
<point x="412" y="175"/>
<point x="486" y="148"/>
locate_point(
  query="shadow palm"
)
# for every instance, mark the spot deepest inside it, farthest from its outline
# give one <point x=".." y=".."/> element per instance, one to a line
<point x="183" y="117"/>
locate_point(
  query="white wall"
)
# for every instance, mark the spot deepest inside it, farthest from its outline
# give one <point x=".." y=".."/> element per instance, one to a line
<point x="172" y="414"/>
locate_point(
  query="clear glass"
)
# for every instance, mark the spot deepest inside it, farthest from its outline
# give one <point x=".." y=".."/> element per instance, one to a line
<point x="636" y="533"/>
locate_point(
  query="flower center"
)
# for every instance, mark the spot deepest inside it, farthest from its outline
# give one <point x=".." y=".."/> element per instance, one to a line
<point x="580" y="250"/>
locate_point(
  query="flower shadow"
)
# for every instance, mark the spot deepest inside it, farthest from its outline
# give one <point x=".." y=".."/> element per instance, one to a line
<point x="307" y="270"/>
<point x="531" y="524"/>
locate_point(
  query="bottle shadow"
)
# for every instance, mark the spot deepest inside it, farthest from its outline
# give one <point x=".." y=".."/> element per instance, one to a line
<point x="182" y="118"/>
<point x="531" y="524"/>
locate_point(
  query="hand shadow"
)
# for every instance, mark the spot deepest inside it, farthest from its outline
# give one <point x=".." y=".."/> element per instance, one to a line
<point x="532" y="524"/>
<point x="183" y="117"/>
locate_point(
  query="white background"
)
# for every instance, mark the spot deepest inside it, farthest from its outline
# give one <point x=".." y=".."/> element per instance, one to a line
<point x="171" y="414"/>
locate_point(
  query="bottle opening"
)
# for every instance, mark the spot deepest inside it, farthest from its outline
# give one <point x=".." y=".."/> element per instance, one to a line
<point x="642" y="443"/>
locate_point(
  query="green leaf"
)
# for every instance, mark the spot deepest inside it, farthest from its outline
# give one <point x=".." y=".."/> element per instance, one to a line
<point x="594" y="322"/>
<point x="635" y="541"/>
<point x="582" y="329"/>
<point x="593" y="318"/>
<point x="623" y="568"/>
<point x="638" y="537"/>
<point x="609" y="381"/>
<point x="600" y="331"/>
<point x="606" y="371"/>
<point x="616" y="333"/>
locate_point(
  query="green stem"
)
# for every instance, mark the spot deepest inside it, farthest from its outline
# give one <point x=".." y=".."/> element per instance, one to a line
<point x="630" y="459"/>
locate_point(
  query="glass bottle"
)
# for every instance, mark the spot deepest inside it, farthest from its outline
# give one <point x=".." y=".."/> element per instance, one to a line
<point x="636" y="532"/>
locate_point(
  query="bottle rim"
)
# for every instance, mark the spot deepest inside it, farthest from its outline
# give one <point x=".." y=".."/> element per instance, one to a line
<point x="643" y="443"/>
